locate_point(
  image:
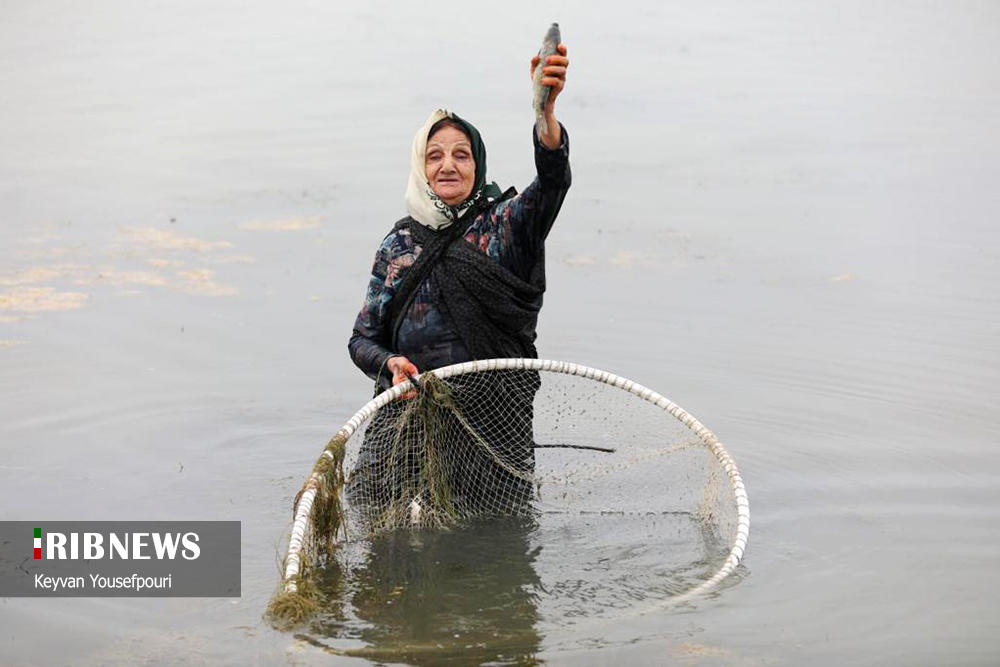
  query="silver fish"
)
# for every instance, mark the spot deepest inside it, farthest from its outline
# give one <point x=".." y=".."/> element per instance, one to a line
<point x="541" y="93"/>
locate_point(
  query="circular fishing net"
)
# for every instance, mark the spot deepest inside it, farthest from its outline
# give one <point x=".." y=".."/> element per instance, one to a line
<point x="599" y="471"/>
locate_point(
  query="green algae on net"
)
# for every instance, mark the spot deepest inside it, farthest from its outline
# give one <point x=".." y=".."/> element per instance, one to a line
<point x="476" y="441"/>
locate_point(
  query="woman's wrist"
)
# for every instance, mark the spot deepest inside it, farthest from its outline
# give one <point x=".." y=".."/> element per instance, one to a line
<point x="552" y="139"/>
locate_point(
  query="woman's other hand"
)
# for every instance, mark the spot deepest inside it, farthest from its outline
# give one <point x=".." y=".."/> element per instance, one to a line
<point x="401" y="368"/>
<point x="554" y="75"/>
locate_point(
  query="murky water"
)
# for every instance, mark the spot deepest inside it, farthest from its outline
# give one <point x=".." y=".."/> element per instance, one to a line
<point x="783" y="218"/>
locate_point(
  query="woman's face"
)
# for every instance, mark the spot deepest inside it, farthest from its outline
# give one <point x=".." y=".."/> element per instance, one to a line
<point x="450" y="167"/>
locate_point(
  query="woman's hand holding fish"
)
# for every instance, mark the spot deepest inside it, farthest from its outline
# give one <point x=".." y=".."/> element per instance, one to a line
<point x="553" y="75"/>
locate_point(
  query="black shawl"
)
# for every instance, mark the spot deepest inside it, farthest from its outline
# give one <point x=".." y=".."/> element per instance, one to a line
<point x="494" y="311"/>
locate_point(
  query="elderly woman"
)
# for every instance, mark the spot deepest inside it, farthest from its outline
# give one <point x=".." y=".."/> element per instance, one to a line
<point x="462" y="276"/>
<point x="425" y="307"/>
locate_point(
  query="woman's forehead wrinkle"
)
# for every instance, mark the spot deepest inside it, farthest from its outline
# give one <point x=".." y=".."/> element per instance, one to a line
<point x="456" y="144"/>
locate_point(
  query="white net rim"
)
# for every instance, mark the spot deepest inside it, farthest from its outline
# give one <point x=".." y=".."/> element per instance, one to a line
<point x="300" y="524"/>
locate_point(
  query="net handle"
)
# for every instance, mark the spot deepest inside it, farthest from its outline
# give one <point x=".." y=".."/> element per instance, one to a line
<point x="300" y="523"/>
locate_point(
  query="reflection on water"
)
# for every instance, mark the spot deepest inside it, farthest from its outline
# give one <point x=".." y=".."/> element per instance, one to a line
<point x="499" y="589"/>
<point x="469" y="594"/>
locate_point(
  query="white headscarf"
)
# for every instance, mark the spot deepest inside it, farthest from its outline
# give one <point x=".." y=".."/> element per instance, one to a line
<point x="421" y="203"/>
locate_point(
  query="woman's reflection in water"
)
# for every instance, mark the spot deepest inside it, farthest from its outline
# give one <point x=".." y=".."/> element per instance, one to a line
<point x="466" y="594"/>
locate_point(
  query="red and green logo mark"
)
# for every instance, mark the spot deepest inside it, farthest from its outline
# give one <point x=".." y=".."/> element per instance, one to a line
<point x="38" y="543"/>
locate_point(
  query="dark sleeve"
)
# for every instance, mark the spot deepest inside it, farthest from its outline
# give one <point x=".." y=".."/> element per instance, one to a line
<point x="368" y="345"/>
<point x="533" y="211"/>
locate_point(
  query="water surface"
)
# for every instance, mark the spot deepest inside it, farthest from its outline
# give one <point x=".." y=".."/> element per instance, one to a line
<point x="783" y="218"/>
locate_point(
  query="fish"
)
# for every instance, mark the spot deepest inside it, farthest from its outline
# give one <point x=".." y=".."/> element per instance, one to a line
<point x="541" y="93"/>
